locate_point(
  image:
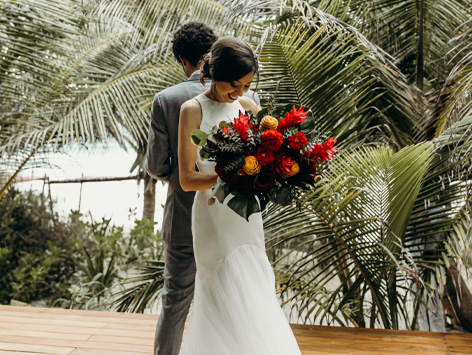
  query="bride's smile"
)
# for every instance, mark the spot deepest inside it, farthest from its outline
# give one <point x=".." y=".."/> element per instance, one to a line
<point x="230" y="91"/>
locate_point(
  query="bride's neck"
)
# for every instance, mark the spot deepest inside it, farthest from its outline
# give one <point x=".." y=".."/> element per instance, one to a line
<point x="212" y="94"/>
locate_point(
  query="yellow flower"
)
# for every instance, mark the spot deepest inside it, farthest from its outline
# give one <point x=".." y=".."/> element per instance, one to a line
<point x="269" y="122"/>
<point x="251" y="166"/>
<point x="295" y="170"/>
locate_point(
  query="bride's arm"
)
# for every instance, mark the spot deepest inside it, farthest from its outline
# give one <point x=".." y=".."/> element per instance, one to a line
<point x="190" y="179"/>
<point x="248" y="104"/>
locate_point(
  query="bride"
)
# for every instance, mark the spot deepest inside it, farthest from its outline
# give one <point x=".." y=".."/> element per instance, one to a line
<point x="235" y="309"/>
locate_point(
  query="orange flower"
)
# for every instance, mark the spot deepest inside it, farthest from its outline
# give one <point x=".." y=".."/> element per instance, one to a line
<point x="251" y="166"/>
<point x="269" y="122"/>
<point x="294" y="170"/>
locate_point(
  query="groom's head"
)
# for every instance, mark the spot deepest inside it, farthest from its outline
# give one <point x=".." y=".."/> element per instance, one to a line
<point x="191" y="42"/>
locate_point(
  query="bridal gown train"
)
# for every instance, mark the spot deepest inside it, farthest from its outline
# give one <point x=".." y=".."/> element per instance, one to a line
<point x="235" y="310"/>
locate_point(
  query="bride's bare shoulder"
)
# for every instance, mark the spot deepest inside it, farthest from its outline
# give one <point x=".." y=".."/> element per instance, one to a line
<point x="248" y="104"/>
<point x="191" y="105"/>
<point x="191" y="111"/>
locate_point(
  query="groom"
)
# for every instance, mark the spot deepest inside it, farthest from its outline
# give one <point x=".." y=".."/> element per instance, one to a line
<point x="190" y="43"/>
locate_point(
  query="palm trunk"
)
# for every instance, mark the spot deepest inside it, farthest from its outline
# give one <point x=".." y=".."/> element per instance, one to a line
<point x="420" y="48"/>
<point x="149" y="198"/>
<point x="458" y="301"/>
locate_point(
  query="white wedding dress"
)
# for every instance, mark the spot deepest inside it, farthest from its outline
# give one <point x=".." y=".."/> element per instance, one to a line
<point x="235" y="310"/>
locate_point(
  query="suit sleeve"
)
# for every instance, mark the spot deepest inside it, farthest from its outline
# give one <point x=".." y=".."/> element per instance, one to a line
<point x="158" y="157"/>
<point x="256" y="99"/>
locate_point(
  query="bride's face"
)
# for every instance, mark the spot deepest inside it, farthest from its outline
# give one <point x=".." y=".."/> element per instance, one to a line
<point x="230" y="91"/>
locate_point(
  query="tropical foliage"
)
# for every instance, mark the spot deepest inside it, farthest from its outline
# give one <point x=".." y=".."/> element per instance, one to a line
<point x="390" y="80"/>
<point x="73" y="261"/>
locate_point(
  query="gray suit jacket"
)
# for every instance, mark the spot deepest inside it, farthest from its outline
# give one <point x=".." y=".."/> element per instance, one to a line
<point x="161" y="159"/>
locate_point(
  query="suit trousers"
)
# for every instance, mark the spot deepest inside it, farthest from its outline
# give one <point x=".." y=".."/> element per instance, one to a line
<point x="177" y="295"/>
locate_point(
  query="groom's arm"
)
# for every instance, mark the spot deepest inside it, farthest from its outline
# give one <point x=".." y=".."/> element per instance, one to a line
<point x="158" y="152"/>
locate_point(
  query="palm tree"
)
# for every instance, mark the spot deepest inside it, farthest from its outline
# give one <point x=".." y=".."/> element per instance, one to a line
<point x="428" y="227"/>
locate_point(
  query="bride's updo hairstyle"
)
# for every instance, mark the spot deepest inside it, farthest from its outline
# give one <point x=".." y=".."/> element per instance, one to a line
<point x="229" y="59"/>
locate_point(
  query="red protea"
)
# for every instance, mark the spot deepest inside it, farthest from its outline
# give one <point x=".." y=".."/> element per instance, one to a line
<point x="291" y="118"/>
<point x="321" y="152"/>
<point x="241" y="125"/>
<point x="328" y="147"/>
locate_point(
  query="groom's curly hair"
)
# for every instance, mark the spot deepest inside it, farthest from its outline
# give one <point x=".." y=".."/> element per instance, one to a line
<point x="192" y="41"/>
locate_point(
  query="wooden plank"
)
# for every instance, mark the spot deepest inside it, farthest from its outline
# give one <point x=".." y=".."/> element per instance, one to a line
<point x="329" y="329"/>
<point x="374" y="344"/>
<point x="44" y="349"/>
<point x="131" y="331"/>
<point x="19" y="353"/>
<point x="357" y="350"/>
<point x="57" y="322"/>
<point x="63" y="311"/>
<point x="147" y="328"/>
<point x="77" y="344"/>
<point x="122" y="340"/>
<point x="102" y="352"/>
<point x="77" y="318"/>
<point x="324" y="336"/>
<point x="44" y="334"/>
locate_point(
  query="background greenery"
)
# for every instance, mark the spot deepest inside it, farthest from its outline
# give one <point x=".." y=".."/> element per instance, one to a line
<point x="390" y="218"/>
<point x="68" y="262"/>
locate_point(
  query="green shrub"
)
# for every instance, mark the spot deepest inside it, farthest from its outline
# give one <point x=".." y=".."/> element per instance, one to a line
<point x="37" y="253"/>
<point x="66" y="262"/>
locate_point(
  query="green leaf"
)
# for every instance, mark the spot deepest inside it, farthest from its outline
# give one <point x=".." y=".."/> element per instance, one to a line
<point x="224" y="124"/>
<point x="281" y="197"/>
<point x="244" y="205"/>
<point x="198" y="137"/>
<point x="204" y="154"/>
<point x="309" y="124"/>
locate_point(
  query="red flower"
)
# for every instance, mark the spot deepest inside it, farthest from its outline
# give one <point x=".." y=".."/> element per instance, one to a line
<point x="264" y="181"/>
<point x="297" y="141"/>
<point x="226" y="131"/>
<point x="328" y="147"/>
<point x="272" y="140"/>
<point x="241" y="125"/>
<point x="284" y="165"/>
<point x="291" y="118"/>
<point x="321" y="152"/>
<point x="264" y="157"/>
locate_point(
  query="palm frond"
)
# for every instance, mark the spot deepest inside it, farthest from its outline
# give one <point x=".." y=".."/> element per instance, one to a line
<point x="142" y="290"/>
<point x="351" y="228"/>
<point x="417" y="34"/>
<point x="351" y="87"/>
<point x="454" y="102"/>
<point x="156" y="20"/>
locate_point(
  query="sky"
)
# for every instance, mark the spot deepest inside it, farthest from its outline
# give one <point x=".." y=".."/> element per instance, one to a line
<point x="112" y="199"/>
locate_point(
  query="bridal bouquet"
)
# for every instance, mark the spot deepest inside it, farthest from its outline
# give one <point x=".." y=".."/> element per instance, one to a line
<point x="263" y="156"/>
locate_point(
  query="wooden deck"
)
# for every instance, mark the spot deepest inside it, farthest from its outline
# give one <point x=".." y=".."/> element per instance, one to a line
<point x="33" y="331"/>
